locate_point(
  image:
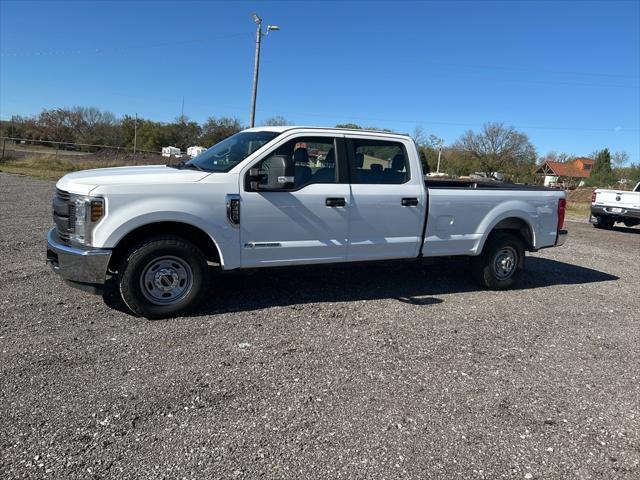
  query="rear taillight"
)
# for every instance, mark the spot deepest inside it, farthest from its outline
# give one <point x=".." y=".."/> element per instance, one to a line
<point x="562" y="209"/>
<point x="593" y="197"/>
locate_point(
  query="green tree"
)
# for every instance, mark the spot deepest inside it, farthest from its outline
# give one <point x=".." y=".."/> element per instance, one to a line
<point x="183" y="133"/>
<point x="277" y="121"/>
<point x="602" y="173"/>
<point x="424" y="160"/>
<point x="217" y="129"/>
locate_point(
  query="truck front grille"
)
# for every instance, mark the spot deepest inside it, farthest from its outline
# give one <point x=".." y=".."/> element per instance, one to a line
<point x="64" y="215"/>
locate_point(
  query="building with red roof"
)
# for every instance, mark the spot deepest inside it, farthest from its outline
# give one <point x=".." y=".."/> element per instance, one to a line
<point x="570" y="174"/>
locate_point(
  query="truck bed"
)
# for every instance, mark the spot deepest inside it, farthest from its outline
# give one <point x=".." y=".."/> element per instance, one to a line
<point x="481" y="184"/>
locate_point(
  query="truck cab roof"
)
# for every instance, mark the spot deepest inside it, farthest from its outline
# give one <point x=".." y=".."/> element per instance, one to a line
<point x="286" y="128"/>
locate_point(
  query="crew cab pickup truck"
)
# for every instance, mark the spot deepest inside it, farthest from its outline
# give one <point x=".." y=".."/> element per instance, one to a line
<point x="611" y="206"/>
<point x="281" y="196"/>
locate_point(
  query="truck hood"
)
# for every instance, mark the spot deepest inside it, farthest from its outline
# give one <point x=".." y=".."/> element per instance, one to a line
<point x="86" y="180"/>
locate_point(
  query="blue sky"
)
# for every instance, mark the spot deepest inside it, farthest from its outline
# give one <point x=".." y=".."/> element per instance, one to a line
<point x="566" y="73"/>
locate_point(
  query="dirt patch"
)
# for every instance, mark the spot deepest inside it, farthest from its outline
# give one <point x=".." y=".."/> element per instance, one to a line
<point x="580" y="195"/>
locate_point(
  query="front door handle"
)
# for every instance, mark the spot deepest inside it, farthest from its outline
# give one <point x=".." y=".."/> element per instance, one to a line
<point x="409" y="202"/>
<point x="335" y="202"/>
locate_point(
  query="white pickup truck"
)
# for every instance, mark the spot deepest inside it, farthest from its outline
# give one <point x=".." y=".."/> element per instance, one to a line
<point x="280" y="196"/>
<point x="611" y="206"/>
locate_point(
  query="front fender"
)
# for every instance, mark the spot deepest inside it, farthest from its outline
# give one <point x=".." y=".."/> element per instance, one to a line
<point x="202" y="209"/>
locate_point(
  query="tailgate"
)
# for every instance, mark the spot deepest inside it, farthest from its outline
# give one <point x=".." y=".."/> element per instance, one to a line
<point x="612" y="198"/>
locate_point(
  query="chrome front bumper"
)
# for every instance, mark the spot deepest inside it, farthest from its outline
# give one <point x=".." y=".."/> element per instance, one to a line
<point x="77" y="265"/>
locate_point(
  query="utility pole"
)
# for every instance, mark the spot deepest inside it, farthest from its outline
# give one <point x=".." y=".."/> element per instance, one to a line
<point x="135" y="133"/>
<point x="439" y="155"/>
<point x="256" y="66"/>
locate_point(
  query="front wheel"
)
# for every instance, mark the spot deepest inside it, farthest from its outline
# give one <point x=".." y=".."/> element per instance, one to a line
<point x="501" y="262"/>
<point x="163" y="276"/>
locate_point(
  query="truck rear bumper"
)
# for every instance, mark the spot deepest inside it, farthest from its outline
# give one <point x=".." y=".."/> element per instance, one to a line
<point x="83" y="268"/>
<point x="561" y="238"/>
<point x="606" y="211"/>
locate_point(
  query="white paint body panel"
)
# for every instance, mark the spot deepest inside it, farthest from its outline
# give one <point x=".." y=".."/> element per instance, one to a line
<point x="284" y="228"/>
<point x="618" y="198"/>
<point x="200" y="204"/>
<point x="296" y="228"/>
<point x="381" y="227"/>
<point x="460" y="220"/>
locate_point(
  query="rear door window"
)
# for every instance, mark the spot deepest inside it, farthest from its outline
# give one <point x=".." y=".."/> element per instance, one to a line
<point x="378" y="161"/>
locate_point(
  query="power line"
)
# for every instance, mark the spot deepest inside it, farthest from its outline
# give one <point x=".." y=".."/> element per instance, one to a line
<point x="108" y="49"/>
<point x="535" y="70"/>
<point x="536" y="82"/>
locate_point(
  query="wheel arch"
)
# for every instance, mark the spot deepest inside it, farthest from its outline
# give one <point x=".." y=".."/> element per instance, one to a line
<point x="189" y="232"/>
<point x="514" y="225"/>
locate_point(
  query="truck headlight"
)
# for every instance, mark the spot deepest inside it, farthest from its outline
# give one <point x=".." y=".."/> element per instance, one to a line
<point x="88" y="213"/>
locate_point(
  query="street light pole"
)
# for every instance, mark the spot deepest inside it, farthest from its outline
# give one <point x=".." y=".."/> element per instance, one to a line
<point x="135" y="133"/>
<point x="256" y="66"/>
<point x="256" y="69"/>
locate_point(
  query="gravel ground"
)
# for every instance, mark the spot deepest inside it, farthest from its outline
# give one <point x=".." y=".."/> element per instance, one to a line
<point x="362" y="371"/>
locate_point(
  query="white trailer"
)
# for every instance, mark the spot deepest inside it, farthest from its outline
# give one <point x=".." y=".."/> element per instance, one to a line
<point x="195" y="150"/>
<point x="170" y="152"/>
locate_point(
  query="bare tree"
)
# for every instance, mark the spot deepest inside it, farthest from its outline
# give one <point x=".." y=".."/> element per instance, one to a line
<point x="419" y="136"/>
<point x="497" y="147"/>
<point x="558" y="157"/>
<point x="435" y="142"/>
<point x="620" y="159"/>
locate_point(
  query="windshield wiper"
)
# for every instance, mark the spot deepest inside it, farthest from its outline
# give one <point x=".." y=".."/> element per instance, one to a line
<point x="193" y="165"/>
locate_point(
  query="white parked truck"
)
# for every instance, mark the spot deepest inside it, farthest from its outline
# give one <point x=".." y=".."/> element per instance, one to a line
<point x="280" y="196"/>
<point x="611" y="206"/>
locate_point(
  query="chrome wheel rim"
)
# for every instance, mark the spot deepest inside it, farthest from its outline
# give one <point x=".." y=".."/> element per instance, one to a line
<point x="505" y="263"/>
<point x="166" y="280"/>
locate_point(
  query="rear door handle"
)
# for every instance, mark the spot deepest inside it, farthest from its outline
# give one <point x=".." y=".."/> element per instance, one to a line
<point x="409" y="202"/>
<point x="335" y="202"/>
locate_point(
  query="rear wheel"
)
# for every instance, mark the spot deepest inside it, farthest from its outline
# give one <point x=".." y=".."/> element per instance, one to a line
<point x="500" y="264"/>
<point x="164" y="276"/>
<point x="603" y="222"/>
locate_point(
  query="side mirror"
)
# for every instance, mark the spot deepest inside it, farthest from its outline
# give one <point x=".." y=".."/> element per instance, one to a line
<point x="280" y="173"/>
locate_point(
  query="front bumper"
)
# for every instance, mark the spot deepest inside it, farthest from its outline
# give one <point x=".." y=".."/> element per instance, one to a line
<point x="562" y="237"/>
<point x="84" y="267"/>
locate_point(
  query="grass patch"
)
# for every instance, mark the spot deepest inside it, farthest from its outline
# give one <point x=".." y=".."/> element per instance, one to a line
<point x="578" y="209"/>
<point x="52" y="168"/>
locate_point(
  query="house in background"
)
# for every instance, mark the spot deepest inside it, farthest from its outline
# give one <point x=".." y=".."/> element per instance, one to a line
<point x="570" y="174"/>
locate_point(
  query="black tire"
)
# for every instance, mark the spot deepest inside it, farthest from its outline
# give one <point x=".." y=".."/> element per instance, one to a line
<point x="604" y="222"/>
<point x="500" y="265"/>
<point x="163" y="276"/>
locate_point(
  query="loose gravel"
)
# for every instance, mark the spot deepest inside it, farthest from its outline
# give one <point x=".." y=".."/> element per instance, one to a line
<point x="361" y="371"/>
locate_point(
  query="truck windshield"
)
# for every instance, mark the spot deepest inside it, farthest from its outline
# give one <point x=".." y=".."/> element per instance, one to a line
<point x="225" y="155"/>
